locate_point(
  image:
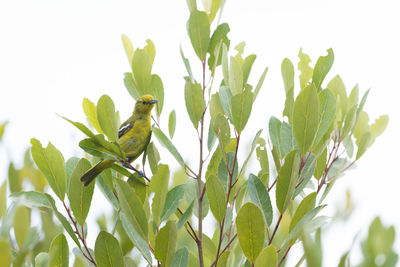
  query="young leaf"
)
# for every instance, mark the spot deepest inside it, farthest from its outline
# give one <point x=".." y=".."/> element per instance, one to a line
<point x="246" y="67"/>
<point x="107" y="251"/>
<point x="259" y="84"/>
<point x="90" y="111"/>
<point x="267" y="258"/>
<point x="22" y="221"/>
<point x="172" y="201"/>
<point x="80" y="126"/>
<point x="128" y="48"/>
<point x="59" y="252"/>
<point x="306" y="205"/>
<point x="132" y="207"/>
<point x="194" y="102"/>
<point x="304" y="68"/>
<point x="235" y="77"/>
<point x="327" y="111"/>
<point x="80" y="196"/>
<point x="106" y="117"/>
<point x="218" y="38"/>
<point x="287" y="70"/>
<point x="172" y="123"/>
<point x="241" y="105"/>
<point x="187" y="65"/>
<point x="141" y="69"/>
<point x="250" y="230"/>
<point x="259" y="195"/>
<point x="363" y="145"/>
<point x="199" y="32"/>
<point x="305" y="118"/>
<point x="378" y="127"/>
<point x="288" y="177"/>
<point x="337" y="87"/>
<point x="130" y="85"/>
<point x="165" y="142"/>
<point x="349" y="122"/>
<point x="51" y="162"/>
<point x="322" y="68"/>
<point x="150" y="49"/>
<point x="216" y="196"/>
<point x="166" y="243"/>
<point x="157" y="90"/>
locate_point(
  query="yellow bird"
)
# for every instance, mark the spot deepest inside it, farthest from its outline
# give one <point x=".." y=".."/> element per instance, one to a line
<point x="134" y="135"/>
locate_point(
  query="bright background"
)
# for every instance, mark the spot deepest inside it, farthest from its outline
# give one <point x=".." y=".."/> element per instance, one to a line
<point x="55" y="53"/>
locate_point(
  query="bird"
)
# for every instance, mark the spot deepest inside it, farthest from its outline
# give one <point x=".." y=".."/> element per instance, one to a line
<point x="133" y="136"/>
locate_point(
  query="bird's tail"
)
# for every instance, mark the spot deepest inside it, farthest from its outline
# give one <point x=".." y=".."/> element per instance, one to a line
<point x="88" y="177"/>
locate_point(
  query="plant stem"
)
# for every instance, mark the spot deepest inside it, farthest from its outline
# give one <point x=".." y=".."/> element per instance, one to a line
<point x="225" y="248"/>
<point x="284" y="256"/>
<point x="276" y="228"/>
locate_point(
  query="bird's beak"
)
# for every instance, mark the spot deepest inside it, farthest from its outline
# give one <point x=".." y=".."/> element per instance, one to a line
<point x="153" y="101"/>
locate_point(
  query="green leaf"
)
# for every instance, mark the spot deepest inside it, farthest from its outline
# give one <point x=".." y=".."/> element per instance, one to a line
<point x="166" y="243"/>
<point x="132" y="207"/>
<point x="80" y="126"/>
<point x="337" y="87"/>
<point x="136" y="238"/>
<point x="363" y="145"/>
<point x="223" y="259"/>
<point x="306" y="205"/>
<point x="128" y="48"/>
<point x="69" y="168"/>
<point x="288" y="177"/>
<point x="235" y="77"/>
<point x="287" y="70"/>
<point x="353" y="97"/>
<point x="246" y="67"/>
<point x="225" y="97"/>
<point x="216" y="197"/>
<point x="199" y="32"/>
<point x="187" y="65"/>
<point x="191" y="5"/>
<point x="150" y="49"/>
<point x="306" y="173"/>
<point x="99" y="147"/>
<point x="165" y="142"/>
<point x="267" y="258"/>
<point x="218" y="38"/>
<point x="304" y="68"/>
<point x="287" y="139"/>
<point x="349" y="122"/>
<point x="59" y="252"/>
<point x="185" y="216"/>
<point x="91" y="113"/>
<point x="194" y="102"/>
<point x="42" y="259"/>
<point x="22" y="221"/>
<point x="274" y="127"/>
<point x="80" y="196"/>
<point x="181" y="258"/>
<point x="215" y="6"/>
<point x="223" y="167"/>
<point x="222" y="129"/>
<point x="306" y="118"/>
<point x="3" y="199"/>
<point x="172" y="123"/>
<point x="153" y="157"/>
<point x="250" y="230"/>
<point x="215" y="106"/>
<point x="159" y="185"/>
<point x="224" y="62"/>
<point x="259" y="195"/>
<point x="101" y="182"/>
<point x="130" y="85"/>
<point x="14" y="178"/>
<point x="327" y="111"/>
<point x="106" y="117"/>
<point x="157" y="90"/>
<point x="241" y="108"/>
<point x="5" y="253"/>
<point x="141" y="69"/>
<point x="107" y="251"/>
<point x="321" y="69"/>
<point x="378" y="127"/>
<point x="259" y="84"/>
<point x="172" y="201"/>
<point x="51" y="162"/>
<point x="2" y="128"/>
<point x="30" y="199"/>
<point x="252" y="148"/>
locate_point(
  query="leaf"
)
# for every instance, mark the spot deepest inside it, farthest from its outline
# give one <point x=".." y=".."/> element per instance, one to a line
<point x="199" y="32"/>
<point x="153" y="157"/>
<point x="130" y="85"/>
<point x="215" y="106"/>
<point x="106" y="117"/>
<point x="378" y="127"/>
<point x="3" y="199"/>
<point x="306" y="174"/>
<point x="287" y="139"/>
<point x="363" y="145"/>
<point x="107" y="251"/>
<point x="59" y="252"/>
<point x="91" y="113"/>
<point x="31" y="199"/>
<point x="181" y="258"/>
<point x="304" y="68"/>
<point x="172" y="201"/>
<point x="216" y="197"/>
<point x="267" y="258"/>
<point x="42" y="259"/>
<point x="128" y="48"/>
<point x="80" y="126"/>
<point x="306" y="205"/>
<point x="132" y="207"/>
<point x="287" y="70"/>
<point x="250" y="230"/>
<point x="259" y="195"/>
<point x="135" y="237"/>
<point x="305" y="118"/>
<point x="274" y="127"/>
<point x="337" y="87"/>
<point x="252" y="148"/>
<point x="223" y="167"/>
<point x="225" y="67"/>
<point x="80" y="196"/>
<point x="327" y="111"/>
<point x="194" y="102"/>
<point x="349" y="122"/>
<point x="223" y="259"/>
<point x="106" y="190"/>
<point x="185" y="216"/>
<point x="241" y="108"/>
<point x="222" y="130"/>
<point x="288" y="177"/>
<point x="218" y="38"/>
<point x="141" y="69"/>
<point x="22" y="221"/>
<point x="246" y="67"/>
<point x="191" y="5"/>
<point x="166" y="243"/>
<point x="172" y="123"/>
<point x="99" y="147"/>
<point x="2" y="128"/>
<point x="225" y="97"/>
<point x="187" y="65"/>
<point x="259" y="84"/>
<point x="165" y="142"/>
<point x="235" y="77"/>
<point x="150" y="49"/>
<point x="321" y="69"/>
<point x="159" y="185"/>
<point x="157" y="90"/>
<point x="51" y="162"/>
<point x="215" y="6"/>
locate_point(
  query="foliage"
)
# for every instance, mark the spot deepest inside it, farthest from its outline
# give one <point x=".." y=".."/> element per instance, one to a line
<point x="311" y="147"/>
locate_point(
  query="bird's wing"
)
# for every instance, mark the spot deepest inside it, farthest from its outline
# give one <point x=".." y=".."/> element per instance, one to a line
<point x="125" y="127"/>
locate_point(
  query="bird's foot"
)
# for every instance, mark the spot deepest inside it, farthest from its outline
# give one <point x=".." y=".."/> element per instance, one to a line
<point x="140" y="174"/>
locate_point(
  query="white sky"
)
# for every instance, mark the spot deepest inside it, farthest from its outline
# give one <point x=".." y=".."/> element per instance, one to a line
<point x="55" y="53"/>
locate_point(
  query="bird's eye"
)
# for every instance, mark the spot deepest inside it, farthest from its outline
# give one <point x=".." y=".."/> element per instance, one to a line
<point x="144" y="102"/>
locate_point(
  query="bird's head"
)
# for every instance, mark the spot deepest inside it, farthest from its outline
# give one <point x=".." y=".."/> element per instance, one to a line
<point x="145" y="104"/>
